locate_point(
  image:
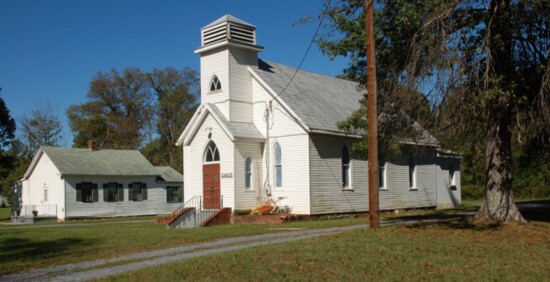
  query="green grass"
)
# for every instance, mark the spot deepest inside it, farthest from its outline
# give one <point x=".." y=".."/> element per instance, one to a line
<point x="26" y="248"/>
<point x="5" y="214"/>
<point x="442" y="251"/>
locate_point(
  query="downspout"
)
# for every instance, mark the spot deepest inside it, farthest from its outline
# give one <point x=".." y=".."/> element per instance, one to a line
<point x="267" y="186"/>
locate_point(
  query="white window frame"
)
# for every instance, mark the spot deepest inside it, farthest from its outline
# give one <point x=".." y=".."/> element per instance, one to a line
<point x="383" y="168"/>
<point x="413" y="169"/>
<point x="348" y="173"/>
<point x="211" y="144"/>
<point x="248" y="175"/>
<point x="216" y="82"/>
<point x="275" y="165"/>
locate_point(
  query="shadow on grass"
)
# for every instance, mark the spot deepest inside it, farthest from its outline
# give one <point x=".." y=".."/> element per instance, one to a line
<point x="24" y="249"/>
<point x="538" y="210"/>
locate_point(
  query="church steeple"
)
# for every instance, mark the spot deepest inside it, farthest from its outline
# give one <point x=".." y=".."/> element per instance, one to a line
<point x="228" y="30"/>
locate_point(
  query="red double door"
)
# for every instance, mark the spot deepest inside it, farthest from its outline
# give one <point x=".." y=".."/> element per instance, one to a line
<point x="211" y="186"/>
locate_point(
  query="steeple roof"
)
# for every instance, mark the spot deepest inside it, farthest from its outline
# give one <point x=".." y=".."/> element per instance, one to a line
<point x="228" y="18"/>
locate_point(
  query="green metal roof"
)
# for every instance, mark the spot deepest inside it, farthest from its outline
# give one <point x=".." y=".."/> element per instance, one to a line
<point x="86" y="162"/>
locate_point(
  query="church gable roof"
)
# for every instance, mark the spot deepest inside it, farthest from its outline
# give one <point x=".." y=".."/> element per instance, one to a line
<point x="319" y="101"/>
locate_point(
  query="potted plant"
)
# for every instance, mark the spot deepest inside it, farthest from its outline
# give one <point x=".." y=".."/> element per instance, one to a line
<point x="35" y="213"/>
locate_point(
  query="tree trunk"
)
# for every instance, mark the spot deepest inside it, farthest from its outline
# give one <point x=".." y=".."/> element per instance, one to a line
<point x="499" y="201"/>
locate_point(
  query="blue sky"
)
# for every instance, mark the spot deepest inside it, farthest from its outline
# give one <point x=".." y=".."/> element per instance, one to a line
<point x="50" y="50"/>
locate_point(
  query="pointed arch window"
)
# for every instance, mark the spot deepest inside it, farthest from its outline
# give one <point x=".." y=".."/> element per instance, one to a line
<point x="346" y="171"/>
<point x="215" y="83"/>
<point x="211" y="153"/>
<point x="278" y="166"/>
<point x="248" y="173"/>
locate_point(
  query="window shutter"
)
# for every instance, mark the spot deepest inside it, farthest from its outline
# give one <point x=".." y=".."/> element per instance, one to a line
<point x="78" y="192"/>
<point x="105" y="192"/>
<point x="167" y="194"/>
<point x="130" y="192"/>
<point x="120" y="192"/>
<point x="95" y="197"/>
<point x="180" y="194"/>
<point x="144" y="191"/>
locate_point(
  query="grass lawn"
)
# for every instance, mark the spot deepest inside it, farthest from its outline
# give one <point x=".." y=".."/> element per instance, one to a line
<point x="453" y="250"/>
<point x="5" y="214"/>
<point x="438" y="251"/>
<point x="26" y="248"/>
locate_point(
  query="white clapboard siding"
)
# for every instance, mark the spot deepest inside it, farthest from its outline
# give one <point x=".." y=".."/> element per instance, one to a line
<point x="247" y="198"/>
<point x="447" y="198"/>
<point x="327" y="195"/>
<point x="215" y="63"/>
<point x="45" y="176"/>
<point x="194" y="154"/>
<point x="294" y="192"/>
<point x="398" y="194"/>
<point x="155" y="203"/>
<point x="241" y="84"/>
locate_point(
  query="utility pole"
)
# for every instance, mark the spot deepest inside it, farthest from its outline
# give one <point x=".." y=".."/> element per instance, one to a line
<point x="372" y="116"/>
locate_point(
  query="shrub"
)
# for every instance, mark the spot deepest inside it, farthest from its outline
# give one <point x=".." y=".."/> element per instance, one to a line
<point x="472" y="192"/>
<point x="242" y="212"/>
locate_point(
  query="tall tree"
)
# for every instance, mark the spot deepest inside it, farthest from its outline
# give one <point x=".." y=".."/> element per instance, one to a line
<point x="42" y="128"/>
<point x="176" y="92"/>
<point x="7" y="125"/>
<point x="477" y="61"/>
<point x="119" y="113"/>
<point x="7" y="134"/>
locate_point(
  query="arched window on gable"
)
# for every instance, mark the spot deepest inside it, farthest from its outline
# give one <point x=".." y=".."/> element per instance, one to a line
<point x="278" y="166"/>
<point x="346" y="171"/>
<point x="215" y="83"/>
<point x="211" y="153"/>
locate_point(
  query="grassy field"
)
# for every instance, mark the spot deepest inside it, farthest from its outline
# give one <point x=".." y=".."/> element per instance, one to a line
<point x="5" y="214"/>
<point x="452" y="251"/>
<point x="26" y="248"/>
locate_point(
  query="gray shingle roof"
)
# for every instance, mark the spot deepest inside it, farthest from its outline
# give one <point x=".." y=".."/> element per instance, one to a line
<point x="73" y="161"/>
<point x="320" y="101"/>
<point x="238" y="129"/>
<point x="169" y="174"/>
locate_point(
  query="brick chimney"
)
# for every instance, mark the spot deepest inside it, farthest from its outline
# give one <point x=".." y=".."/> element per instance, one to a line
<point x="92" y="145"/>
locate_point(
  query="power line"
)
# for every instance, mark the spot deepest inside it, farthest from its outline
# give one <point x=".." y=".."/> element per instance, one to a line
<point x="307" y="51"/>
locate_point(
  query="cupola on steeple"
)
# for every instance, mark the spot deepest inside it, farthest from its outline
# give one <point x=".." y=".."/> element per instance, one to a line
<point x="228" y="30"/>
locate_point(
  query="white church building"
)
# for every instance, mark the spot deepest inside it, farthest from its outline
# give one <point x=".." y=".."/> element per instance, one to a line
<point x="268" y="130"/>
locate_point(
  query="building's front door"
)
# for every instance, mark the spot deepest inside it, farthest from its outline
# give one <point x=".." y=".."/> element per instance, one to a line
<point x="211" y="186"/>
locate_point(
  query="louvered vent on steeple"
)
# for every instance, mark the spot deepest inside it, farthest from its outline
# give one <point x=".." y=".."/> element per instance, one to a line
<point x="228" y="28"/>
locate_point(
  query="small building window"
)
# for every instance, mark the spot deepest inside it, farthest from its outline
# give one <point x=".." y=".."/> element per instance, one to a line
<point x="215" y="83"/>
<point x="346" y="171"/>
<point x="278" y="165"/>
<point x="412" y="172"/>
<point x="452" y="184"/>
<point x="113" y="192"/>
<point x="45" y="195"/>
<point x="211" y="154"/>
<point x="248" y="173"/>
<point x="137" y="191"/>
<point x="382" y="177"/>
<point x="86" y="192"/>
<point x="174" y="194"/>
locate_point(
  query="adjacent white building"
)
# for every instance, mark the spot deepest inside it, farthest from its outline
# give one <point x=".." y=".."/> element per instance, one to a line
<point x="265" y="129"/>
<point x="71" y="183"/>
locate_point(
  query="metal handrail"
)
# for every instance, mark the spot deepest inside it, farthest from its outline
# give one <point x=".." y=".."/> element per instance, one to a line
<point x="201" y="213"/>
